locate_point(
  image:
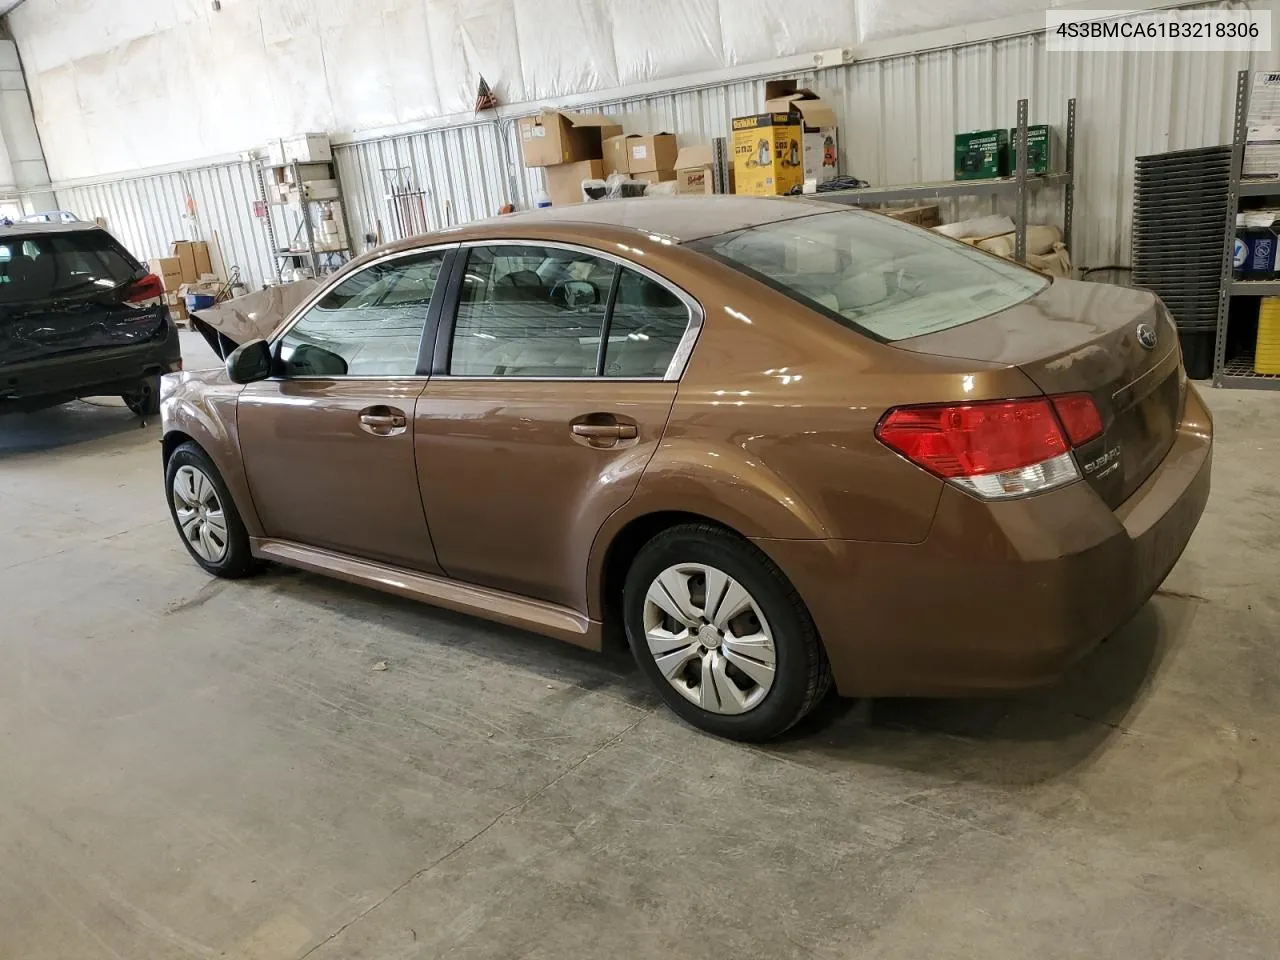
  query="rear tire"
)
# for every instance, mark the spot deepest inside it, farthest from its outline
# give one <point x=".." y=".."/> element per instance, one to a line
<point x="145" y="400"/>
<point x="205" y="515"/>
<point x="722" y="634"/>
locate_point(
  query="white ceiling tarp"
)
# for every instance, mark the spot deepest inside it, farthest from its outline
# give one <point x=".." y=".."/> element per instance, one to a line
<point x="127" y="86"/>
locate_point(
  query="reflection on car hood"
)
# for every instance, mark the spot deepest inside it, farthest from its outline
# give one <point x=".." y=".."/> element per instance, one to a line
<point x="252" y="316"/>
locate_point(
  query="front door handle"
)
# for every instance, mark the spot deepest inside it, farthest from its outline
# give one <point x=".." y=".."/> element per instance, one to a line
<point x="598" y="432"/>
<point x="383" y="421"/>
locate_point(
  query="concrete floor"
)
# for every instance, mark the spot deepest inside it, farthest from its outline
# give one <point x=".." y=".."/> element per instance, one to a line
<point x="190" y="768"/>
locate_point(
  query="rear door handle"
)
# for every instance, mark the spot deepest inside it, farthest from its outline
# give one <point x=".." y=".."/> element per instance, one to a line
<point x="606" y="431"/>
<point x="383" y="421"/>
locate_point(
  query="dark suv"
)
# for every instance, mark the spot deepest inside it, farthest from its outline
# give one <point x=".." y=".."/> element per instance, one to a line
<point x="79" y="317"/>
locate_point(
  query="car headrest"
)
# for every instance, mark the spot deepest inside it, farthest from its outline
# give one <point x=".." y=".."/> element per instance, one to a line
<point x="519" y="285"/>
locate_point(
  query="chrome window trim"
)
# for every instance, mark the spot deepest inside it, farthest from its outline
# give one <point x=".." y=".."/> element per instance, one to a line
<point x="526" y="379"/>
<point x="684" y="349"/>
<point x="348" y="378"/>
<point x="339" y="277"/>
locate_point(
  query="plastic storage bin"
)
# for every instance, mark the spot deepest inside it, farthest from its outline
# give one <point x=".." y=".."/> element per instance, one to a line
<point x="1266" y="357"/>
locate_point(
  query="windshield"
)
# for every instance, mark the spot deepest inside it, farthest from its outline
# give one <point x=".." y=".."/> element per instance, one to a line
<point x="882" y="277"/>
<point x="55" y="265"/>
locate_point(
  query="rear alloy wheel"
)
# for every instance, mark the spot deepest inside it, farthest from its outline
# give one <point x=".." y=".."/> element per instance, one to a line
<point x="722" y="634"/>
<point x="205" y="515"/>
<point x="708" y="637"/>
<point x="145" y="400"/>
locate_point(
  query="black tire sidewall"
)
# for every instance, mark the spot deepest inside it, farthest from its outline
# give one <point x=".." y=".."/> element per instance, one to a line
<point x="238" y="561"/>
<point x="147" y="398"/>
<point x="793" y="633"/>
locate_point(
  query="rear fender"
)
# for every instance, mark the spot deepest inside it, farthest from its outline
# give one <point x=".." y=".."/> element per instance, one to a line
<point x="724" y="485"/>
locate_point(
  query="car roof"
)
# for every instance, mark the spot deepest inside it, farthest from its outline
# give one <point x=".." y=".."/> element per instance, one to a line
<point x="679" y="218"/>
<point x="28" y="229"/>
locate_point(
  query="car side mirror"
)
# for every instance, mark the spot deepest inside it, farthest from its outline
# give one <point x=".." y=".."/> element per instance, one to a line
<point x="250" y="362"/>
<point x="308" y="360"/>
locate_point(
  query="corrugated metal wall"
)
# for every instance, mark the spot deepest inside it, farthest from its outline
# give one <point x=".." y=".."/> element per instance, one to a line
<point x="898" y="117"/>
<point x="215" y="203"/>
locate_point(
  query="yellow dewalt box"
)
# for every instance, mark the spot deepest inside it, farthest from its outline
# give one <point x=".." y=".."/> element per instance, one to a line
<point x="768" y="154"/>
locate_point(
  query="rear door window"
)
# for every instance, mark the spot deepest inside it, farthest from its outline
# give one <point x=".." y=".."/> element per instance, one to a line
<point x="645" y="329"/>
<point x="63" y="265"/>
<point x="530" y="312"/>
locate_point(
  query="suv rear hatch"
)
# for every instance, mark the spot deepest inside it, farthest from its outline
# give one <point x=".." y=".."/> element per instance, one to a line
<point x="70" y="290"/>
<point x="1085" y="337"/>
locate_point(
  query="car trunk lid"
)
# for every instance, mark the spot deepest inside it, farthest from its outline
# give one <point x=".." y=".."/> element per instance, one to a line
<point x="1117" y="344"/>
<point x="69" y="291"/>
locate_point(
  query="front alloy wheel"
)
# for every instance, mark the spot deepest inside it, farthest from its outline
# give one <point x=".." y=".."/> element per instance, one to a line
<point x="199" y="513"/>
<point x="709" y="638"/>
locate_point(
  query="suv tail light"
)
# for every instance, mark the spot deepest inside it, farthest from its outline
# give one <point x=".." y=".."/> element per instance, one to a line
<point x="147" y="292"/>
<point x="995" y="449"/>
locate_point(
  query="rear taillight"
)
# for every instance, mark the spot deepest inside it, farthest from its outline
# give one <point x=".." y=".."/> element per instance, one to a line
<point x="1079" y="416"/>
<point x="995" y="449"/>
<point x="146" y="292"/>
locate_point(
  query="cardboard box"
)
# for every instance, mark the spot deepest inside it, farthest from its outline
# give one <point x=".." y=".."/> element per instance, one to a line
<point x="307" y="148"/>
<point x="982" y="155"/>
<point x="203" y="263"/>
<point x="162" y="266"/>
<point x="766" y="154"/>
<point x="694" y="166"/>
<point x="655" y="151"/>
<point x="558" y="137"/>
<point x="1039" y="149"/>
<point x="820" y="145"/>
<point x="1262" y="151"/>
<point x="923" y="216"/>
<point x="615" y="155"/>
<point x="311" y="190"/>
<point x="564" y="180"/>
<point x="305" y="172"/>
<point x="184" y="250"/>
<point x="206" y="288"/>
<point x="654" y="176"/>
<point x="275" y="153"/>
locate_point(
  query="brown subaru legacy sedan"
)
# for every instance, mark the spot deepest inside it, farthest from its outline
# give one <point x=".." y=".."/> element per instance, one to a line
<point x="777" y="443"/>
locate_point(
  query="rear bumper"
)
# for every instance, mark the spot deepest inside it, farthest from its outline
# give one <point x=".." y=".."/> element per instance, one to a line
<point x="1000" y="595"/>
<point x="45" y="382"/>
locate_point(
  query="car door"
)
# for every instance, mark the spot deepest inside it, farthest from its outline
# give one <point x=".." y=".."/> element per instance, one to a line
<point x="555" y="372"/>
<point x="328" y="440"/>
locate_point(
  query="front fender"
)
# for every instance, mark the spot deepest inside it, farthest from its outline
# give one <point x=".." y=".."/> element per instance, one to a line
<point x="203" y="407"/>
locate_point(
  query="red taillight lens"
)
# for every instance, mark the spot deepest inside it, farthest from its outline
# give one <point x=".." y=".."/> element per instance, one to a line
<point x="972" y="439"/>
<point x="1079" y="416"/>
<point x="149" y="287"/>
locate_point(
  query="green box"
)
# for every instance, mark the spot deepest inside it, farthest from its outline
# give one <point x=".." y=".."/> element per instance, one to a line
<point x="1039" y="149"/>
<point x="982" y="154"/>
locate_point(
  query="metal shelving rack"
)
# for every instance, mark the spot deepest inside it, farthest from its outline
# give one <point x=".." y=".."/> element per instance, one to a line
<point x="1238" y="372"/>
<point x="312" y="251"/>
<point x="1018" y="186"/>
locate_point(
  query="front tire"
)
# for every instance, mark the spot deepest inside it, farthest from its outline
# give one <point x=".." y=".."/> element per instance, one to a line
<point x="722" y="634"/>
<point x="205" y="515"/>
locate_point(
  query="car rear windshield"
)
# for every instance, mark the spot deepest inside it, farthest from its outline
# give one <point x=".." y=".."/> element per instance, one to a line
<point x="62" y="265"/>
<point x="879" y="276"/>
